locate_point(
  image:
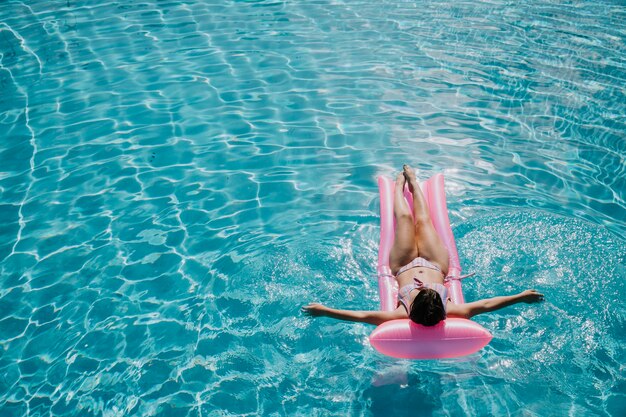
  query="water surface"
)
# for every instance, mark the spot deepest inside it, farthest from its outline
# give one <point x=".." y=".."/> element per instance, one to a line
<point x="178" y="178"/>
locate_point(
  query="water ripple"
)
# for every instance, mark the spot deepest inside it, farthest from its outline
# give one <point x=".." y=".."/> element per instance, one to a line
<point x="178" y="178"/>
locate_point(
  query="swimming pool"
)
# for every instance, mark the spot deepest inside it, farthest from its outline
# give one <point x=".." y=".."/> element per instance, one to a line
<point x="179" y="178"/>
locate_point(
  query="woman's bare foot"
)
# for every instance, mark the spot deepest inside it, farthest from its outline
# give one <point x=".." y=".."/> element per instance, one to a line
<point x="409" y="174"/>
<point x="400" y="180"/>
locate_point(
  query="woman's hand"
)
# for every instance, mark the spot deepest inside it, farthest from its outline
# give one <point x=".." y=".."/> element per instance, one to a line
<point x="314" y="310"/>
<point x="530" y="296"/>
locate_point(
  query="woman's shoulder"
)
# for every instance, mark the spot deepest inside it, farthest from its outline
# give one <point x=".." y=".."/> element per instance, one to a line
<point x="457" y="310"/>
<point x="398" y="313"/>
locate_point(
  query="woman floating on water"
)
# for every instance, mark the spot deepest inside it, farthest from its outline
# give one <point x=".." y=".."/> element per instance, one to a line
<point x="419" y="262"/>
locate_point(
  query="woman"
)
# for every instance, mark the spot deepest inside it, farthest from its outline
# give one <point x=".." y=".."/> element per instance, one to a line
<point x="419" y="262"/>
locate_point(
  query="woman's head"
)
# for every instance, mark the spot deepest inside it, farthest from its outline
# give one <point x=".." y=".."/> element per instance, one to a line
<point x="427" y="308"/>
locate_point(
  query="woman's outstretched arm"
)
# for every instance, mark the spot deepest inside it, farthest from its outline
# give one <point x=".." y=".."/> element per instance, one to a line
<point x="469" y="310"/>
<point x="371" y="317"/>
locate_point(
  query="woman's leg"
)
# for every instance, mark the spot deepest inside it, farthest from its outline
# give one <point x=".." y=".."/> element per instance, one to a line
<point x="428" y="243"/>
<point x="404" y="249"/>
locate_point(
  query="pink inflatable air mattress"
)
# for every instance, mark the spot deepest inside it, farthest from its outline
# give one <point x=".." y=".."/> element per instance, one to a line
<point x="452" y="337"/>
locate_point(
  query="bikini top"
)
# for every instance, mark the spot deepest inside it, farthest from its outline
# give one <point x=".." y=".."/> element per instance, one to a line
<point x="404" y="292"/>
<point x="441" y="289"/>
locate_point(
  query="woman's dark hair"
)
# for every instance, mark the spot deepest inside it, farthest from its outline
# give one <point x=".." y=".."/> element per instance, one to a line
<point x="427" y="308"/>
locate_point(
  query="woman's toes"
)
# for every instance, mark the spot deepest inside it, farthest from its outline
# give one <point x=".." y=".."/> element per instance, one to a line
<point x="409" y="173"/>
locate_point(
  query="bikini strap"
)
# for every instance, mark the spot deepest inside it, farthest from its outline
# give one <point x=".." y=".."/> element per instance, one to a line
<point x="406" y="307"/>
<point x="404" y="293"/>
<point x="457" y="277"/>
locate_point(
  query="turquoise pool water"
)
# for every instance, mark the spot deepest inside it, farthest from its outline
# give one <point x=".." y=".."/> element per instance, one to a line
<point x="178" y="178"/>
